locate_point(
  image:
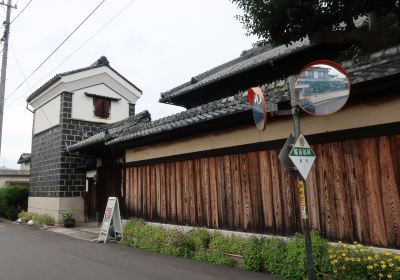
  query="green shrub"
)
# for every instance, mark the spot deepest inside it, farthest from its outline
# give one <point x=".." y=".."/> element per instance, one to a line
<point x="296" y="257"/>
<point x="230" y="245"/>
<point x="200" y="237"/>
<point x="253" y="259"/>
<point x="25" y="216"/>
<point x="13" y="199"/>
<point x="283" y="258"/>
<point x="42" y="219"/>
<point x="273" y="254"/>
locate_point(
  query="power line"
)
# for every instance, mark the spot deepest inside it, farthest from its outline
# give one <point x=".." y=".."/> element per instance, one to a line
<point x="77" y="49"/>
<point x="26" y="6"/>
<point x="56" y="49"/>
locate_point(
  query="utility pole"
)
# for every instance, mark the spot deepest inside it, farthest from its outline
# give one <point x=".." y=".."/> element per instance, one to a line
<point x="302" y="186"/>
<point x="4" y="63"/>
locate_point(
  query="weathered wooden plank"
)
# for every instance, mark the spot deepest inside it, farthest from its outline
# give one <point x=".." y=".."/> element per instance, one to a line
<point x="255" y="191"/>
<point x="276" y="192"/>
<point x="357" y="190"/>
<point x="228" y="193"/>
<point x="221" y="189"/>
<point x="153" y="186"/>
<point x="289" y="193"/>
<point x="213" y="192"/>
<point x="199" y="192"/>
<point x="135" y="191"/>
<point x="369" y="156"/>
<point x="313" y="202"/>
<point x="328" y="191"/>
<point x="179" y="200"/>
<point x="343" y="206"/>
<point x="148" y="192"/>
<point x="395" y="147"/>
<point x="390" y="192"/>
<point x="158" y="191"/>
<point x="191" y="193"/>
<point x="168" y="192"/>
<point x="237" y="192"/>
<point x="127" y="192"/>
<point x="163" y="190"/>
<point x="266" y="190"/>
<point x="205" y="181"/>
<point x="173" y="193"/>
<point x="246" y="193"/>
<point x="185" y="192"/>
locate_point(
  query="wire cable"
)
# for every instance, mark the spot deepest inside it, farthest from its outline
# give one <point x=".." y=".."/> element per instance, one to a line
<point x="79" y="48"/>
<point x="56" y="49"/>
<point x="26" y="6"/>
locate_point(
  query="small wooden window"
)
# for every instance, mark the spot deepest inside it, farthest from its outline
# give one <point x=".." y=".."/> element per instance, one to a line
<point x="102" y="107"/>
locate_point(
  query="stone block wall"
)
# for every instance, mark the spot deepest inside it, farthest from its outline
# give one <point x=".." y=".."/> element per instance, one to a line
<point x="54" y="172"/>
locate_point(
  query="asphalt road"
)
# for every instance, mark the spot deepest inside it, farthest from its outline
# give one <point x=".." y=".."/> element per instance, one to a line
<point x="27" y="253"/>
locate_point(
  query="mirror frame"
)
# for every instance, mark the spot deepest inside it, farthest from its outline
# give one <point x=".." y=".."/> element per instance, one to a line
<point x="331" y="63"/>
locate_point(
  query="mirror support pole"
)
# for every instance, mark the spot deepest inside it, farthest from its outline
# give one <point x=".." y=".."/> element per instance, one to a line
<point x="302" y="184"/>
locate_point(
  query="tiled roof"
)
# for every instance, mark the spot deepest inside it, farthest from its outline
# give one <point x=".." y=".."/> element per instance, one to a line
<point x="112" y="131"/>
<point x="102" y="61"/>
<point x="13" y="172"/>
<point x="247" y="61"/>
<point x="24" y="158"/>
<point x="382" y="64"/>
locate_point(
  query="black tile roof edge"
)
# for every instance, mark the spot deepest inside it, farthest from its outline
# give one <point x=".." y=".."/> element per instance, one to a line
<point x="392" y="55"/>
<point x="186" y="87"/>
<point x="24" y="158"/>
<point x="210" y="111"/>
<point x="102" y="61"/>
<point x="278" y="87"/>
<point x="13" y="172"/>
<point x="108" y="132"/>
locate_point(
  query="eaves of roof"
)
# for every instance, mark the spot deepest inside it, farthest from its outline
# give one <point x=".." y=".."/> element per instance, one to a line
<point x="383" y="64"/>
<point x="254" y="59"/>
<point x="102" y="61"/>
<point x="111" y="131"/>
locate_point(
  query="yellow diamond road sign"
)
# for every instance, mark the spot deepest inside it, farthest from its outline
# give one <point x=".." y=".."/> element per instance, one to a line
<point x="302" y="156"/>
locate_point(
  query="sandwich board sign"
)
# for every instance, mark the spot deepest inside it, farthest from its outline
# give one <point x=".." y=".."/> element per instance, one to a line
<point x="302" y="156"/>
<point x="111" y="214"/>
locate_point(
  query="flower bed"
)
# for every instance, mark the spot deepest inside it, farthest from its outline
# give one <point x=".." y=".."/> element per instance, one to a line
<point x="273" y="255"/>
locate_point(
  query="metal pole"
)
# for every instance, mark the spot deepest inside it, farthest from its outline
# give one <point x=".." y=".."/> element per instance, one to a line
<point x="302" y="187"/>
<point x="4" y="65"/>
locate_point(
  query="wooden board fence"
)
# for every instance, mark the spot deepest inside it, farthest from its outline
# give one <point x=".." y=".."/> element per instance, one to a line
<point x="353" y="192"/>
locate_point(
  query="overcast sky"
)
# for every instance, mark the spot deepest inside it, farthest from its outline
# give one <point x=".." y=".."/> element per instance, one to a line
<point x="156" y="44"/>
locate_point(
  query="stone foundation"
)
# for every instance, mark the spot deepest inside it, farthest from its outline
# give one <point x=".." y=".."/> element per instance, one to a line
<point x="55" y="206"/>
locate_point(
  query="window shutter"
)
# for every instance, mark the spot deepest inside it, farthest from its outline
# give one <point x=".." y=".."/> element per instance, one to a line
<point x="106" y="107"/>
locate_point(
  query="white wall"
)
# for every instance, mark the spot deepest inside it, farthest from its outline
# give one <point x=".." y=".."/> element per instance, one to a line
<point x="82" y="105"/>
<point x="47" y="115"/>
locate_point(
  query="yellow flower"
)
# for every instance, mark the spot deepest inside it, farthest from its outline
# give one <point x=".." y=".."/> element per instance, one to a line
<point x="397" y="257"/>
<point x="380" y="275"/>
<point x="369" y="258"/>
<point x="376" y="256"/>
<point x="391" y="264"/>
<point x="346" y="259"/>
<point x="375" y="264"/>
<point x="340" y="242"/>
<point x="383" y="266"/>
<point x="382" y="262"/>
<point x="388" y="254"/>
<point x="370" y="267"/>
<point x="389" y="276"/>
<point x="343" y="254"/>
<point x="358" y="259"/>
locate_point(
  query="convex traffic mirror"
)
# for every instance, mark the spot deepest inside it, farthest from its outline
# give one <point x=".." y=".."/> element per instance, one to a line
<point x="322" y="88"/>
